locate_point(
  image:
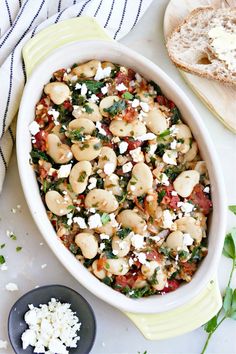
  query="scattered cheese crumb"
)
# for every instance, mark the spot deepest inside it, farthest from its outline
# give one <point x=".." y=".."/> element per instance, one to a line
<point x="34" y="128"/>
<point x="94" y="221"/>
<point x="137" y="155"/>
<point x="127" y="167"/>
<point x="109" y="168"/>
<point x="206" y="189"/>
<point x="170" y="157"/>
<point x="187" y="240"/>
<point x="148" y="136"/>
<point x="185" y="207"/>
<point x="93" y="183"/>
<point x="137" y="241"/>
<point x="144" y="106"/>
<point x="64" y="171"/>
<point x="84" y="90"/>
<point x="123" y="147"/>
<point x="100" y="129"/>
<point x="80" y="221"/>
<point x="102" y="73"/>
<point x="167" y="219"/>
<point x="135" y="103"/>
<point x="121" y="87"/>
<point x="12" y="287"/>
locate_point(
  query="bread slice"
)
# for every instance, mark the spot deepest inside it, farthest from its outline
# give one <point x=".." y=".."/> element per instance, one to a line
<point x="191" y="48"/>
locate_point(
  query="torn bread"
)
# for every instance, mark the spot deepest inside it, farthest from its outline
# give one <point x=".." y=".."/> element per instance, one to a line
<point x="205" y="44"/>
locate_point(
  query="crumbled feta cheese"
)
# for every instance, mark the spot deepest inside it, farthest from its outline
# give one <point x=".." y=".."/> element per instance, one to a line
<point x="142" y="257"/>
<point x="93" y="98"/>
<point x="127" y="167"/>
<point x="4" y="267"/>
<point x="170" y="157"/>
<point x="102" y="73"/>
<point x="100" y="129"/>
<point x="185" y="207"/>
<point x="53" y="326"/>
<point x="115" y="139"/>
<point x="174" y="193"/>
<point x="109" y="168"/>
<point x="115" y="252"/>
<point x="155" y="238"/>
<point x="84" y="90"/>
<point x="12" y="287"/>
<point x="187" y="240"/>
<point x="137" y="241"/>
<point x="94" y="221"/>
<point x="135" y="103"/>
<point x="163" y="179"/>
<point x="64" y="171"/>
<point x="113" y="221"/>
<point x="104" y="237"/>
<point x="78" y="86"/>
<point x="167" y="219"/>
<point x="123" y="146"/>
<point x="137" y="155"/>
<point x="206" y="189"/>
<point x="148" y="136"/>
<point x="131" y="262"/>
<point x="51" y="171"/>
<point x="121" y="87"/>
<point x="138" y="77"/>
<point x="102" y="246"/>
<point x="173" y="130"/>
<point x="80" y="221"/>
<point x="93" y="183"/>
<point x="3" y="344"/>
<point x="34" y="128"/>
<point x="92" y="210"/>
<point x="152" y="149"/>
<point x="54" y="113"/>
<point x="104" y="90"/>
<point x="144" y="106"/>
<point x="173" y="144"/>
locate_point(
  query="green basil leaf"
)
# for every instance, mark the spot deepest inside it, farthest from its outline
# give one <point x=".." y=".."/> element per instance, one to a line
<point x="228" y="299"/>
<point x="229" y="249"/>
<point x="232" y="208"/>
<point x="211" y="325"/>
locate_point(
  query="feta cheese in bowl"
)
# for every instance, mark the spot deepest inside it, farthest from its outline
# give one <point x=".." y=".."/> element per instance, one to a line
<point x="53" y="319"/>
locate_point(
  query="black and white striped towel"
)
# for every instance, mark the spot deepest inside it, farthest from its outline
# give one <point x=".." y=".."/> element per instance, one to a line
<point x="20" y="20"/>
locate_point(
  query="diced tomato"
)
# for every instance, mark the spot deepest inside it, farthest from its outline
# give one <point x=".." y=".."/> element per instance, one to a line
<point x="200" y="199"/>
<point x="172" y="285"/>
<point x="101" y="263"/>
<point x="132" y="144"/>
<point x="59" y="74"/>
<point x="162" y="100"/>
<point x="189" y="268"/>
<point x="81" y="198"/>
<point x="153" y="255"/>
<point x="171" y="104"/>
<point x="125" y="79"/>
<point x="67" y="105"/>
<point x="127" y="280"/>
<point x="130" y="114"/>
<point x="42" y="173"/>
<point x="169" y="200"/>
<point x="41" y="140"/>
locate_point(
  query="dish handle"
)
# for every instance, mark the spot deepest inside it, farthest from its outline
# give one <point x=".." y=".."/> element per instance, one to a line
<point x="182" y="319"/>
<point x="59" y="34"/>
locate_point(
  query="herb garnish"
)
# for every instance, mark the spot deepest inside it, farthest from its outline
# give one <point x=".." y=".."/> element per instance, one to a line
<point x="37" y="154"/>
<point x="105" y="218"/>
<point x="76" y="134"/>
<point x="2" y="259"/>
<point x="92" y="85"/>
<point x="127" y="96"/>
<point x="122" y="233"/>
<point x="82" y="176"/>
<point x="116" y="108"/>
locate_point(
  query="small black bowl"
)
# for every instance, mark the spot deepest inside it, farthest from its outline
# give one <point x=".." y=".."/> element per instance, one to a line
<point x="42" y="295"/>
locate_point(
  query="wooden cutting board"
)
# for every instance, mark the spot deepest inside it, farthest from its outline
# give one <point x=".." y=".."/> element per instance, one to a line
<point x="220" y="99"/>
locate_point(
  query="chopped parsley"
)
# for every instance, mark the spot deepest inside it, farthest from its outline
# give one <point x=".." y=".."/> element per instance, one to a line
<point x="160" y="149"/>
<point x="92" y="85"/>
<point x="88" y="109"/>
<point x="82" y="176"/>
<point x="76" y="134"/>
<point x="2" y="259"/>
<point x="123" y="232"/>
<point x="2" y="245"/>
<point x="13" y="237"/>
<point x="105" y="218"/>
<point x="18" y="248"/>
<point x="37" y="155"/>
<point x="176" y="116"/>
<point x="116" y="108"/>
<point x="164" y="134"/>
<point x="172" y="172"/>
<point x="127" y="96"/>
<point x="161" y="195"/>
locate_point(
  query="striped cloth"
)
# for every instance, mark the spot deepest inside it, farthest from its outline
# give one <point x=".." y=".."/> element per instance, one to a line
<point x="20" y="20"/>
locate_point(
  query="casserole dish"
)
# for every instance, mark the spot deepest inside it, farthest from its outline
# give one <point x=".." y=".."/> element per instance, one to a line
<point x="102" y="50"/>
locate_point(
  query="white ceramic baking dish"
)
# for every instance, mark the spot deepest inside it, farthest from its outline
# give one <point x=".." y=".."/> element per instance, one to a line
<point x="117" y="53"/>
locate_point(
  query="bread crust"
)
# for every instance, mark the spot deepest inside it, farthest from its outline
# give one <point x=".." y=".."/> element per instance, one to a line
<point x="184" y="66"/>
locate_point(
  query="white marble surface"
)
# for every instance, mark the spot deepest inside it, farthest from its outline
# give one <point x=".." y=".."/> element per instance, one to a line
<point x="115" y="334"/>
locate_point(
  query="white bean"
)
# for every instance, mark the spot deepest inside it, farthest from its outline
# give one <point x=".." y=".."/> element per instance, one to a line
<point x="106" y="103"/>
<point x="122" y="247"/>
<point x="183" y="132"/>
<point x="117" y="266"/>
<point x="185" y="182"/>
<point x="141" y="180"/>
<point x="86" y="126"/>
<point x="60" y="153"/>
<point x="192" y="153"/>
<point x="156" y="121"/>
<point x="57" y="91"/>
<point x="57" y="203"/>
<point x="56" y="131"/>
<point x="161" y="280"/>
<point x="129" y="218"/>
<point x="79" y="176"/>
<point x="107" y="229"/>
<point x="94" y="116"/>
<point x="107" y="155"/>
<point x="175" y="240"/>
<point x="189" y="225"/>
<point x="121" y="128"/>
<point x="88" y="69"/>
<point x="111" y="184"/>
<point x="101" y="200"/>
<point x="201" y="167"/>
<point x="87" y="150"/>
<point x="101" y="273"/>
<point x="88" y="244"/>
<point x="148" y="270"/>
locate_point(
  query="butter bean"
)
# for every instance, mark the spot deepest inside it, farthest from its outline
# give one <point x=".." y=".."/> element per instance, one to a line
<point x="79" y="176"/>
<point x="141" y="180"/>
<point x="88" y="244"/>
<point x="57" y="203"/>
<point x="60" y="153"/>
<point x="129" y="218"/>
<point x="87" y="150"/>
<point x="101" y="200"/>
<point x="57" y="91"/>
<point x="185" y="182"/>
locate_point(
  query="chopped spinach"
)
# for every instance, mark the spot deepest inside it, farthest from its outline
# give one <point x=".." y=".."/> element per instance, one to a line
<point x="172" y="172"/>
<point x="76" y="134"/>
<point x="92" y="85"/>
<point x="156" y="88"/>
<point x="176" y="115"/>
<point x="105" y="218"/>
<point x="77" y="99"/>
<point x="73" y="248"/>
<point x="127" y="96"/>
<point x="107" y="280"/>
<point x="160" y="149"/>
<point x="88" y="262"/>
<point x="136" y="293"/>
<point x="82" y="176"/>
<point x="88" y="109"/>
<point x="37" y="154"/>
<point x="161" y="195"/>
